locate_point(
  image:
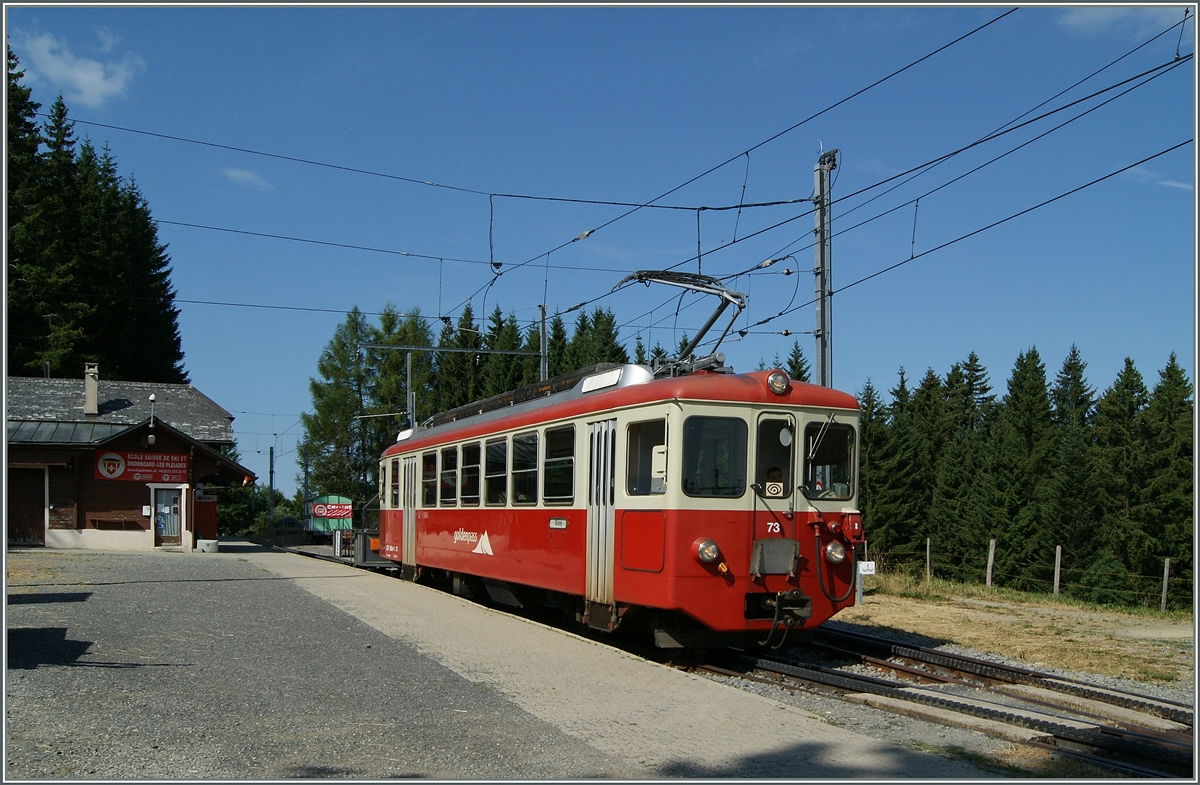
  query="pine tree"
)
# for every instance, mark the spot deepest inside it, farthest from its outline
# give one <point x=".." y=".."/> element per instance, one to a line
<point x="1072" y="500"/>
<point x="458" y="373"/>
<point x="1122" y="471"/>
<point x="334" y="443"/>
<point x="88" y="279"/>
<point x="872" y="437"/>
<point x="1169" y="418"/>
<point x="501" y="373"/>
<point x="797" y="367"/>
<point x="556" y="347"/>
<point x="23" y="141"/>
<point x="1024" y="447"/>
<point x="639" y="351"/>
<point x="1071" y="396"/>
<point x="893" y="516"/>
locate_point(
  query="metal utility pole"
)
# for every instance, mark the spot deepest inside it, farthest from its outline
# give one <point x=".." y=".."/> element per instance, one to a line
<point x="545" y="364"/>
<point x="824" y="287"/>
<point x="271" y="489"/>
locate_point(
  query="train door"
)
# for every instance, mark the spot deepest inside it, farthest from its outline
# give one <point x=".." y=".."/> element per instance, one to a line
<point x="775" y="546"/>
<point x="602" y="473"/>
<point x="408" y="525"/>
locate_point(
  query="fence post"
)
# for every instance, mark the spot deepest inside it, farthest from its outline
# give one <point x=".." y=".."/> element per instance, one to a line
<point x="1166" y="574"/>
<point x="927" y="572"/>
<point x="991" y="560"/>
<point x="1057" y="567"/>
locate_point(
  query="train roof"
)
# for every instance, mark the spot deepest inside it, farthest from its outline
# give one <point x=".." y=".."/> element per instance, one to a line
<point x="609" y="386"/>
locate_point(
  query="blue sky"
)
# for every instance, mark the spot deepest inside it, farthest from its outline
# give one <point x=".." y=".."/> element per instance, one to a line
<point x="624" y="104"/>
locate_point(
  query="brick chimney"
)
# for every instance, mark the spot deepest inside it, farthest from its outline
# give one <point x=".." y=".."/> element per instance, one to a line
<point x="91" y="388"/>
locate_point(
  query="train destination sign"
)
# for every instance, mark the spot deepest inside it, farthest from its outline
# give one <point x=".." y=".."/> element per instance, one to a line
<point x="141" y="466"/>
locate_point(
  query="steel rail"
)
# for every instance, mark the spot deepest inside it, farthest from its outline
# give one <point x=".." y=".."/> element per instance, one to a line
<point x="1166" y="709"/>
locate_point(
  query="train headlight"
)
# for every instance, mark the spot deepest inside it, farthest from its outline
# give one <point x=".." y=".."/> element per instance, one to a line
<point x="778" y="382"/>
<point x="707" y="551"/>
<point x="835" y="552"/>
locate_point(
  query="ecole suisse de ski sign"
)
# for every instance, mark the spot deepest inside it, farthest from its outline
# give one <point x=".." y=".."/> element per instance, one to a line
<point x="141" y="466"/>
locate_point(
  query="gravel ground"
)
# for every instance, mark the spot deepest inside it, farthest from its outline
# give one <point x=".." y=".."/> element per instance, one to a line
<point x="115" y="670"/>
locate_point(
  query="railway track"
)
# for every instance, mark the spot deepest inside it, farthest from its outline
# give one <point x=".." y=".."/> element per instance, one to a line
<point x="1129" y="733"/>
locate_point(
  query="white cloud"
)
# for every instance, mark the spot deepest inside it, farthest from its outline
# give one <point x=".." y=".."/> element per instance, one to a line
<point x="243" y="177"/>
<point x="1133" y="21"/>
<point x="81" y="80"/>
<point x="1144" y="175"/>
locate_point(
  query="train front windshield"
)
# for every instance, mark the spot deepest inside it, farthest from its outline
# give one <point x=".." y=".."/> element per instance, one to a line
<point x="828" y="461"/>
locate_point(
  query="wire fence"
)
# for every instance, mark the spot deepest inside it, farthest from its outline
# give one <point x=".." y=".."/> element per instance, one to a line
<point x="1092" y="581"/>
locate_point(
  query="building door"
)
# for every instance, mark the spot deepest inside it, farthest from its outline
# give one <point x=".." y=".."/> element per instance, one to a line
<point x="26" y="506"/>
<point x="602" y="474"/>
<point x="167" y="516"/>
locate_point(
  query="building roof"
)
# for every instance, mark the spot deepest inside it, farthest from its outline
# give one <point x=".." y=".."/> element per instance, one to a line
<point x="50" y="411"/>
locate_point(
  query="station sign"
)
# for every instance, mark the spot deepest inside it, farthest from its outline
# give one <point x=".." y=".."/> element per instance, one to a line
<point x="141" y="466"/>
<point x="866" y="568"/>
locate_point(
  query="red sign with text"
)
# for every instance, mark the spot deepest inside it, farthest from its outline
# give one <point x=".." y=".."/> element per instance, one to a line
<point x="142" y="466"/>
<point x="332" y="511"/>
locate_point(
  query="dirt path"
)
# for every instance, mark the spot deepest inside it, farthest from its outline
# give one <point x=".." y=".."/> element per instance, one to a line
<point x="1140" y="648"/>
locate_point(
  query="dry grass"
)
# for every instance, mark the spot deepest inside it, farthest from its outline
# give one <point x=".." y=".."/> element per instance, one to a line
<point x="1144" y="646"/>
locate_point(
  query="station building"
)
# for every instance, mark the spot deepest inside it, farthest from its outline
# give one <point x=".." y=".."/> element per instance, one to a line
<point x="114" y="465"/>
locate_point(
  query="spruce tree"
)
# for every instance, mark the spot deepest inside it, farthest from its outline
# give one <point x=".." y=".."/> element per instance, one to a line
<point x="1122" y="473"/>
<point x="797" y="367"/>
<point x="872" y="436"/>
<point x="639" y="350"/>
<point x="1024" y="447"/>
<point x="458" y="373"/>
<point x="893" y="518"/>
<point x="334" y="441"/>
<point x="501" y="372"/>
<point x="556" y="347"/>
<point x="1072" y="500"/>
<point x="1169" y="418"/>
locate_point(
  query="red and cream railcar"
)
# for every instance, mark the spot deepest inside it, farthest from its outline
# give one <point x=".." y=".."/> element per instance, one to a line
<point x="712" y="507"/>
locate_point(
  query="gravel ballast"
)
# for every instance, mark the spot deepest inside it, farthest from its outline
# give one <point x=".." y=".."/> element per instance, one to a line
<point x="263" y="665"/>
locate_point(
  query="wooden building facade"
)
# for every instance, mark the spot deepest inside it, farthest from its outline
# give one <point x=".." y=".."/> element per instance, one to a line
<point x="114" y="465"/>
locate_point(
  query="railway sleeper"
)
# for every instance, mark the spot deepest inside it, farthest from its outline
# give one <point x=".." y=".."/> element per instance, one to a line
<point x="1065" y="731"/>
<point x="1015" y="675"/>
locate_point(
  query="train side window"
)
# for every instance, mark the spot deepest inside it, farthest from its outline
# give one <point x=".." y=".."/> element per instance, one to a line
<point x="828" y="461"/>
<point x="773" y="467"/>
<point x="395" y="483"/>
<point x="448" y="488"/>
<point x="643" y="438"/>
<point x="429" y="479"/>
<point x="524" y="469"/>
<point x="559" y="479"/>
<point x="469" y="495"/>
<point x="495" y="472"/>
<point x="714" y="457"/>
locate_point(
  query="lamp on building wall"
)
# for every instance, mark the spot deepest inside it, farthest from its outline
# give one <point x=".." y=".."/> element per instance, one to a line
<point x="150" y="436"/>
